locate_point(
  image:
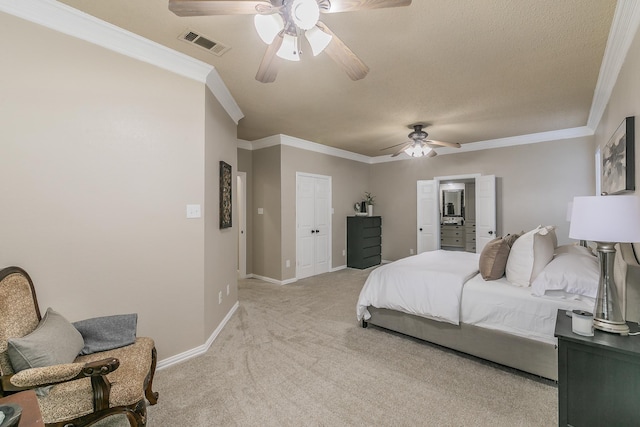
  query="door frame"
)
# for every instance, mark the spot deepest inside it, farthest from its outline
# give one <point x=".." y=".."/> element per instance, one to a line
<point x="437" y="180"/>
<point x="329" y="215"/>
<point x="242" y="224"/>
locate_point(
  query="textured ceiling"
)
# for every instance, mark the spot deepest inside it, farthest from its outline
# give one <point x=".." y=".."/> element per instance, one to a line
<point x="473" y="70"/>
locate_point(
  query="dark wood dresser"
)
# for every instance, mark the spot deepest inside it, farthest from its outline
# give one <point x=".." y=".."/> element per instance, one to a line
<point x="598" y="377"/>
<point x="364" y="241"/>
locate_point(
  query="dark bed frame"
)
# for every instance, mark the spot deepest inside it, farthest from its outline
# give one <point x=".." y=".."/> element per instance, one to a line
<point x="534" y="357"/>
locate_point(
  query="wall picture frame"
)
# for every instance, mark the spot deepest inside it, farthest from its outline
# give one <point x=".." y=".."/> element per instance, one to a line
<point x="225" y="195"/>
<point x="618" y="160"/>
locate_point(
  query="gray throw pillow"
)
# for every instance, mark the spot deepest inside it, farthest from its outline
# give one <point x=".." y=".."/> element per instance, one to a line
<point x="108" y="332"/>
<point x="54" y="342"/>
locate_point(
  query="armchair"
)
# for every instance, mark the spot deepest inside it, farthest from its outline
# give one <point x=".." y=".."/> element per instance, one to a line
<point x="88" y="389"/>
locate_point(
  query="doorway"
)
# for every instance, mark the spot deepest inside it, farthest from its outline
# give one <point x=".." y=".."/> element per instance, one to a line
<point x="241" y="202"/>
<point x="429" y="213"/>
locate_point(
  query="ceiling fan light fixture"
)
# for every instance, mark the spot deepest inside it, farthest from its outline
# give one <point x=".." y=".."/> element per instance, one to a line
<point x="305" y="13"/>
<point x="289" y="48"/>
<point x="268" y="26"/>
<point x="318" y="40"/>
<point x="417" y="150"/>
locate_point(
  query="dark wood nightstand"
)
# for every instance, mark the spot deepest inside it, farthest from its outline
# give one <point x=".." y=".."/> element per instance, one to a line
<point x="598" y="377"/>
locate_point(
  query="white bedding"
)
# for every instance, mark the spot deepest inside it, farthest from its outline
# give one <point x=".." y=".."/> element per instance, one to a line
<point x="428" y="285"/>
<point x="501" y="306"/>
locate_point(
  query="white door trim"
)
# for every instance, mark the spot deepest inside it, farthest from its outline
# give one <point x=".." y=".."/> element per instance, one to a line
<point x="242" y="223"/>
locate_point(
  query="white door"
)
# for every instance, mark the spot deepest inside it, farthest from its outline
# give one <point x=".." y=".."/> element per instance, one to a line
<point x="242" y="221"/>
<point x="428" y="216"/>
<point x="313" y="219"/>
<point x="485" y="210"/>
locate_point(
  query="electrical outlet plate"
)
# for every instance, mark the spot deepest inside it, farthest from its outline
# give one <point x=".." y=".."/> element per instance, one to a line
<point x="193" y="211"/>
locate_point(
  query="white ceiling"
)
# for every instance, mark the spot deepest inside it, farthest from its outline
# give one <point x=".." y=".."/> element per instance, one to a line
<point x="474" y="70"/>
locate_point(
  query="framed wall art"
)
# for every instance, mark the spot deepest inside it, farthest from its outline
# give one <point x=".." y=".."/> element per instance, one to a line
<point x="225" y="195"/>
<point x="618" y="160"/>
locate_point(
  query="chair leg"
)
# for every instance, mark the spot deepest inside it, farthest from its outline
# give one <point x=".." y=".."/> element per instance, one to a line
<point x="152" y="396"/>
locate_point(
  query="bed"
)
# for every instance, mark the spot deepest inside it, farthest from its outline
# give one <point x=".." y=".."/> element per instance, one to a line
<point x="496" y="320"/>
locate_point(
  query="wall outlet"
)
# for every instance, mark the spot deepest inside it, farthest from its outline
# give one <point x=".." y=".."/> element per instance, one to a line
<point x="344" y="252"/>
<point x="227" y="289"/>
<point x="287" y="263"/>
<point x="411" y="251"/>
<point x="260" y="211"/>
<point x="220" y="297"/>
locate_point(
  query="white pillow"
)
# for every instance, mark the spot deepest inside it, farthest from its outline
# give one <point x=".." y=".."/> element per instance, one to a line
<point x="568" y="274"/>
<point x="529" y="254"/>
<point x="573" y="249"/>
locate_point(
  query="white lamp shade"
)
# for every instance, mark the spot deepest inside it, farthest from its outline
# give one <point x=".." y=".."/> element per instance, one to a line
<point x="606" y="219"/>
<point x="318" y="39"/>
<point x="417" y="150"/>
<point x="305" y="13"/>
<point x="289" y="48"/>
<point x="268" y="26"/>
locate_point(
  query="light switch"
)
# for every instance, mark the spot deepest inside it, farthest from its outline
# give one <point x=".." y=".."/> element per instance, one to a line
<point x="260" y="211"/>
<point x="193" y="211"/>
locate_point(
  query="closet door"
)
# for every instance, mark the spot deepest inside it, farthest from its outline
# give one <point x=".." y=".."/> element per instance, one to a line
<point x="428" y="216"/>
<point x="313" y="231"/>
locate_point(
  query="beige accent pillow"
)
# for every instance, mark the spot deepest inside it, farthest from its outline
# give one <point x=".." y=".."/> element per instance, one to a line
<point x="529" y="255"/>
<point x="54" y="342"/>
<point x="493" y="259"/>
<point x="511" y="238"/>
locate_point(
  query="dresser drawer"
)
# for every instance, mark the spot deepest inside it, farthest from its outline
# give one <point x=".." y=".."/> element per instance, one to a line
<point x="470" y="247"/>
<point x="452" y="232"/>
<point x="371" y="232"/>
<point x="456" y="242"/>
<point x="470" y="237"/>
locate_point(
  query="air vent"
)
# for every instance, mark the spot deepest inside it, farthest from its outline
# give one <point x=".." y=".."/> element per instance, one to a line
<point x="206" y="43"/>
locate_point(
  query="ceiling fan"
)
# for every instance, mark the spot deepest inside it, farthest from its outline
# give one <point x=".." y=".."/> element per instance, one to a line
<point x="419" y="145"/>
<point x="281" y="23"/>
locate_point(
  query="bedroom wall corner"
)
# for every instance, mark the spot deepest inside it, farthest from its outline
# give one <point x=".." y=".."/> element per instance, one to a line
<point x="220" y="245"/>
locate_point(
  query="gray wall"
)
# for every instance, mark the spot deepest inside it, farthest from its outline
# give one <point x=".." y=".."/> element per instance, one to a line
<point x="624" y="102"/>
<point x="267" y="228"/>
<point x="97" y="165"/>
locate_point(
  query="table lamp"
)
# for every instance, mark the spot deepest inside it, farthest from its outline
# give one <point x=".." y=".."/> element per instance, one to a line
<point x="607" y="220"/>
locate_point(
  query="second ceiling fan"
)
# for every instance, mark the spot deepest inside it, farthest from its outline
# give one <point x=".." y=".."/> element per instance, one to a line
<point x="418" y="144"/>
<point x="282" y="23"/>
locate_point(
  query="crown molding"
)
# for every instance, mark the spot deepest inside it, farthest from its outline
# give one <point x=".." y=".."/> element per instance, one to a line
<point x="67" y="20"/>
<point x="625" y="24"/>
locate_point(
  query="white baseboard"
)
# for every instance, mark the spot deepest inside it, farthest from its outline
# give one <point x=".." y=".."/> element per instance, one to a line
<point x="338" y="268"/>
<point x="179" y="358"/>
<point x="270" y="280"/>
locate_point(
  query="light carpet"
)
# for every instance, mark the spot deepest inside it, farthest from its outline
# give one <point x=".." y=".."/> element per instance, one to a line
<point x="295" y="355"/>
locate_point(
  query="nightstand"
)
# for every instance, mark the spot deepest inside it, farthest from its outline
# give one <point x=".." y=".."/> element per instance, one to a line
<point x="598" y="377"/>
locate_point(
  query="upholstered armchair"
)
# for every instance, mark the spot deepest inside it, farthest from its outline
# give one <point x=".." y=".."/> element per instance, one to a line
<point x="89" y="387"/>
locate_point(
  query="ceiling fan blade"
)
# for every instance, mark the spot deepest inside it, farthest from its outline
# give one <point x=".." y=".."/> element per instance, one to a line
<point x="404" y="147"/>
<point x="268" y="69"/>
<point x="443" y="144"/>
<point x="402" y="143"/>
<point x="217" y="7"/>
<point x="353" y="5"/>
<point x="343" y="56"/>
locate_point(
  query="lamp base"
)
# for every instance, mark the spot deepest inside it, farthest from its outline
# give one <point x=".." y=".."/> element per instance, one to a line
<point x="612" y="327"/>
